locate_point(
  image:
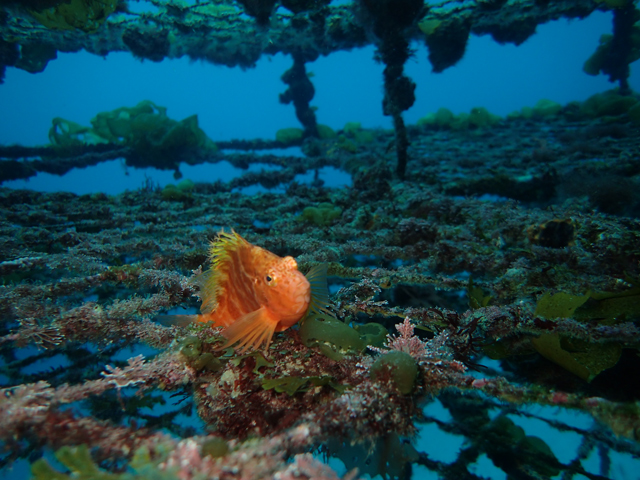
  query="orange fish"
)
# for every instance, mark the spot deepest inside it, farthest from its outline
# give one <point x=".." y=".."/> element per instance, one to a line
<point x="254" y="293"/>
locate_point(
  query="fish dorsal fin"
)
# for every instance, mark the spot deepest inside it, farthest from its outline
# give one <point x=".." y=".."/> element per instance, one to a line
<point x="317" y="278"/>
<point x="251" y="331"/>
<point x="223" y="245"/>
<point x="212" y="281"/>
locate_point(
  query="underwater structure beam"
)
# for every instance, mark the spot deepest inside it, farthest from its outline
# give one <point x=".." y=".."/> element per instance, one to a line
<point x="223" y="34"/>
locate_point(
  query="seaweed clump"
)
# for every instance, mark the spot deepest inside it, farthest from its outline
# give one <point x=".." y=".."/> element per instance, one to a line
<point x="322" y="215"/>
<point x="86" y="15"/>
<point x="400" y="367"/>
<point x="153" y="138"/>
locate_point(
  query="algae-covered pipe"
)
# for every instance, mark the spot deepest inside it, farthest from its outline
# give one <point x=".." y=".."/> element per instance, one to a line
<point x="391" y="20"/>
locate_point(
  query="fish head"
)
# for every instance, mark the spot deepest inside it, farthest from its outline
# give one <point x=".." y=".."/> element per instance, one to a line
<point x="284" y="290"/>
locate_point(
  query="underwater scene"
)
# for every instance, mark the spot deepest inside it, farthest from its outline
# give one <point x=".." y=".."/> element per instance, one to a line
<point x="319" y="239"/>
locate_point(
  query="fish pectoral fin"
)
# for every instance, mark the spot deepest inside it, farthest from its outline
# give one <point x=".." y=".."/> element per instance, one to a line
<point x="251" y="331"/>
<point x="176" y="320"/>
<point x="317" y="278"/>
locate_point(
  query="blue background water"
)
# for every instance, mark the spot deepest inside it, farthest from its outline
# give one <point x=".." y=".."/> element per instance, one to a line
<point x="231" y="103"/>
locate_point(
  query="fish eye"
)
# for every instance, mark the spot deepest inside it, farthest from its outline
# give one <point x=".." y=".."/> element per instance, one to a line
<point x="268" y="278"/>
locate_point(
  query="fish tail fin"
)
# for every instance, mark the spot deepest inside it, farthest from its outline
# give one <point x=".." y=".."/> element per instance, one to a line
<point x="176" y="320"/>
<point x="250" y="331"/>
<point x="317" y="278"/>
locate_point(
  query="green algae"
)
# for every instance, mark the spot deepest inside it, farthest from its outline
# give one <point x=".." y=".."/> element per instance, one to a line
<point x="81" y="466"/>
<point x="442" y="118"/>
<point x="323" y="215"/>
<point x="333" y="337"/>
<point x="259" y="358"/>
<point x="182" y="192"/>
<point x="173" y="193"/>
<point x="480" y="117"/>
<point x="64" y="133"/>
<point x="546" y="108"/>
<point x="154" y="138"/>
<point x="215" y="447"/>
<point x="612" y="307"/>
<point x="86" y="15"/>
<point x="583" y="358"/>
<point x="186" y="185"/>
<point x="400" y="367"/>
<point x="351" y="128"/>
<point x="191" y="351"/>
<point x="559" y="305"/>
<point x="477" y="298"/>
<point x="354" y="131"/>
<point x="601" y="105"/>
<point x="604" y="307"/>
<point x="477" y="118"/>
<point x="429" y="26"/>
<point x="292" y="384"/>
<point x="325" y="132"/>
<point x="372" y="334"/>
<point x="607" y="104"/>
<point x="289" y="136"/>
<point x="345" y="144"/>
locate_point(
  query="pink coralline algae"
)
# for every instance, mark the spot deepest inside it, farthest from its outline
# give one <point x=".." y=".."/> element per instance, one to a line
<point x="406" y="342"/>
